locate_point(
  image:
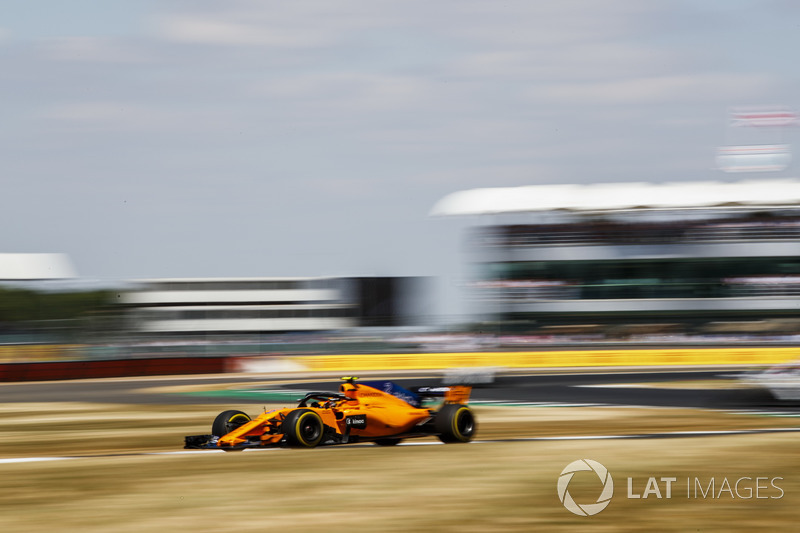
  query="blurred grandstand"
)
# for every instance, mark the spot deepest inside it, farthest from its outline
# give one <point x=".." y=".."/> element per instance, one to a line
<point x="672" y="262"/>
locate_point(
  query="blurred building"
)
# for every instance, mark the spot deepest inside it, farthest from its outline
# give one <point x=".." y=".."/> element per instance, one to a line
<point x="35" y="267"/>
<point x="705" y="257"/>
<point x="236" y="306"/>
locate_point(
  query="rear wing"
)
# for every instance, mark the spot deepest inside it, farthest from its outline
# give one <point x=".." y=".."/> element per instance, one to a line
<point x="452" y="394"/>
<point x="415" y="396"/>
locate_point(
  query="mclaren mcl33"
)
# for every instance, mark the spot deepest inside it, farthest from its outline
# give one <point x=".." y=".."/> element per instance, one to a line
<point x="377" y="411"/>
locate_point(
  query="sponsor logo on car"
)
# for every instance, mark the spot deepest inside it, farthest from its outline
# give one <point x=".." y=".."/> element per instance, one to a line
<point x="356" y="421"/>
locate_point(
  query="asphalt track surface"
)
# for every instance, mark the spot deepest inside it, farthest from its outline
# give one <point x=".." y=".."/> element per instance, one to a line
<point x="612" y="389"/>
<point x="568" y="388"/>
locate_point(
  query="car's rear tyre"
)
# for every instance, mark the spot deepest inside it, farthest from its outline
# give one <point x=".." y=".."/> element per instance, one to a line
<point x="303" y="428"/>
<point x="227" y="421"/>
<point x="388" y="442"/>
<point x="455" y="423"/>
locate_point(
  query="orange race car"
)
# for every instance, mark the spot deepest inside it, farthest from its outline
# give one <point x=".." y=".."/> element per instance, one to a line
<point x="378" y="411"/>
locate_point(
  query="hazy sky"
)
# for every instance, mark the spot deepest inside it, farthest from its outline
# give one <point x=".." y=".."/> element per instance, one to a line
<point x="154" y="138"/>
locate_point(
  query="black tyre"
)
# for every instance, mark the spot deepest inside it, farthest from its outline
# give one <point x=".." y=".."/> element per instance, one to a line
<point x="227" y="421"/>
<point x="455" y="423"/>
<point x="303" y="427"/>
<point x="388" y="441"/>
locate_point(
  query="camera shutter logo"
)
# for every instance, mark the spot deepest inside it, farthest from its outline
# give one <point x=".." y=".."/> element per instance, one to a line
<point x="586" y="509"/>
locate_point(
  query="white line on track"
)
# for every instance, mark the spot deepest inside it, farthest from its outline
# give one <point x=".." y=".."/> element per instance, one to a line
<point x="665" y="435"/>
<point x="511" y="403"/>
<point x="34" y="459"/>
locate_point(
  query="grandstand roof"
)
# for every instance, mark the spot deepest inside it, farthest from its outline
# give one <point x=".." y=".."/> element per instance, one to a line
<point x="35" y="267"/>
<point x="621" y="196"/>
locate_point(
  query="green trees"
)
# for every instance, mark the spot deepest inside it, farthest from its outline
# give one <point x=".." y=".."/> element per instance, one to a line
<point x="28" y="315"/>
<point x="25" y="305"/>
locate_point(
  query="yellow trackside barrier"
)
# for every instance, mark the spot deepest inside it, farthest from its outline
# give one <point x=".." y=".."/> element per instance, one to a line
<point x="754" y="356"/>
<point x="26" y="353"/>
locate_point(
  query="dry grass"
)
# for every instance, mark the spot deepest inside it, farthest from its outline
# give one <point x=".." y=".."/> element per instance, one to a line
<point x="497" y="486"/>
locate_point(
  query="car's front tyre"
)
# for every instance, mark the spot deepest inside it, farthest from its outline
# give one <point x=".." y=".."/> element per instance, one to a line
<point x="303" y="428"/>
<point x="227" y="421"/>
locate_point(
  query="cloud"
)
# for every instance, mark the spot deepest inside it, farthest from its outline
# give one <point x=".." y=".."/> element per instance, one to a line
<point x="273" y="24"/>
<point x="548" y="25"/>
<point x="92" y="49"/>
<point x="109" y="115"/>
<point x="575" y="62"/>
<point x="705" y="87"/>
<point x="341" y="92"/>
<point x="316" y="23"/>
<point x="197" y="30"/>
